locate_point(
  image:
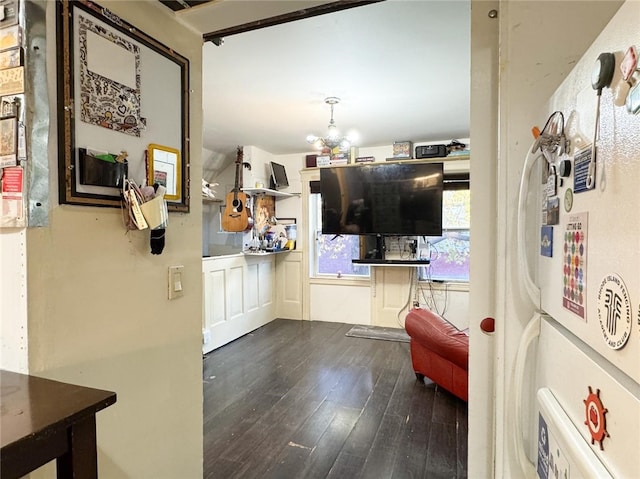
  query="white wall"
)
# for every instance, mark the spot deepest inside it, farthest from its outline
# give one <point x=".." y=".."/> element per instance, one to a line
<point x="97" y="300"/>
<point x="484" y="134"/>
<point x="14" y="355"/>
<point x="340" y="303"/>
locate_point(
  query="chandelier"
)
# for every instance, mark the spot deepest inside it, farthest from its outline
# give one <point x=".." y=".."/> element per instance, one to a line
<point x="333" y="138"/>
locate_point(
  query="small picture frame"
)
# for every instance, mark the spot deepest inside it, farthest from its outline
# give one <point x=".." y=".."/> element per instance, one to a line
<point x="8" y="142"/>
<point x="165" y="169"/>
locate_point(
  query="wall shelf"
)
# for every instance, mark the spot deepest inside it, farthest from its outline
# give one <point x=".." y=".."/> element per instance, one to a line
<point x="265" y="253"/>
<point x="391" y="262"/>
<point x="267" y="191"/>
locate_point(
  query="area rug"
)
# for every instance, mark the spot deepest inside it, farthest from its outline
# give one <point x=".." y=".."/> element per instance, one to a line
<point x="378" y="332"/>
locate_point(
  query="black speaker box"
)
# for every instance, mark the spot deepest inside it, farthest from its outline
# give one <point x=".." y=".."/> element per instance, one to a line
<point x="431" y="151"/>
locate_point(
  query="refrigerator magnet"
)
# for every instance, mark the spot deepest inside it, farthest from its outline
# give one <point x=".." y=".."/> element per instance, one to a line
<point x="614" y="311"/>
<point x="581" y="163"/>
<point x="568" y="200"/>
<point x="574" y="264"/>
<point x="553" y="211"/>
<point x="546" y="241"/>
<point x="595" y="417"/>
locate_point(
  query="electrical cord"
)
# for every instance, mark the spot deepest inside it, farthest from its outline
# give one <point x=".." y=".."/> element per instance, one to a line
<point x="431" y="300"/>
<point x="406" y="304"/>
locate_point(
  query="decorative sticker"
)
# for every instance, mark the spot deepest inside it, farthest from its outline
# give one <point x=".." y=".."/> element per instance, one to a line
<point x="574" y="265"/>
<point x="110" y="102"/>
<point x="10" y="37"/>
<point x="614" y="311"/>
<point x="543" y="448"/>
<point x="12" y="197"/>
<point x="8" y="142"/>
<point x="552" y="463"/>
<point x="9" y="13"/>
<point x="546" y="241"/>
<point x="595" y="417"/>
<point x="11" y="58"/>
<point x="12" y="81"/>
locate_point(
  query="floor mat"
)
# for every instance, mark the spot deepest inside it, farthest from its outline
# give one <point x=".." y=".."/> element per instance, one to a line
<point x="378" y="332"/>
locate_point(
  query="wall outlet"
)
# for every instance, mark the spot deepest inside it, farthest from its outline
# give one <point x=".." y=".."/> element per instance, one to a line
<point x="175" y="281"/>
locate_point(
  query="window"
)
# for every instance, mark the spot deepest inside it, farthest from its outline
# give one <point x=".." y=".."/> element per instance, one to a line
<point x="449" y="253"/>
<point x="332" y="253"/>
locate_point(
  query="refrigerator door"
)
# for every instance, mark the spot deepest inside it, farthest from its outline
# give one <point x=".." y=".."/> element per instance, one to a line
<point x="562" y="452"/>
<point x="591" y="283"/>
<point x="588" y="415"/>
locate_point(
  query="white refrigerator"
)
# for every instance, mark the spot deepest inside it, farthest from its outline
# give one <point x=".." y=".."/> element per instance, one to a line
<point x="578" y="365"/>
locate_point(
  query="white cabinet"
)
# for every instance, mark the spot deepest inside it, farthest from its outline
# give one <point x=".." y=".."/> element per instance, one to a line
<point x="288" y="285"/>
<point x="238" y="297"/>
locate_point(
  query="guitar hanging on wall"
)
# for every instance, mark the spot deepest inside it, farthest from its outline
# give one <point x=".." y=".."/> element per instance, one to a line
<point x="236" y="216"/>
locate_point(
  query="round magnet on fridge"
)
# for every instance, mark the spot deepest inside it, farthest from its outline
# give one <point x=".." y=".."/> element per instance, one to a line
<point x="564" y="168"/>
<point x="568" y="199"/>
<point x="614" y="311"/>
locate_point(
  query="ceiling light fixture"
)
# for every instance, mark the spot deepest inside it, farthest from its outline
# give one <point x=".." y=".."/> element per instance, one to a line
<point x="333" y="138"/>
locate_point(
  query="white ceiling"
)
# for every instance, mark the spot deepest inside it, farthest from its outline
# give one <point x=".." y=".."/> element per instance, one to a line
<point x="400" y="68"/>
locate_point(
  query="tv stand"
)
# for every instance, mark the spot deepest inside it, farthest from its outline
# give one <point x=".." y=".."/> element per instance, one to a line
<point x="378" y="253"/>
<point x="377" y="257"/>
<point x="391" y="262"/>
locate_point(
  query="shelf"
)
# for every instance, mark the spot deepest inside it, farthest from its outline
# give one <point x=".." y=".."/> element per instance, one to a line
<point x="391" y="262"/>
<point x="265" y="253"/>
<point x="267" y="191"/>
<point x="206" y="199"/>
<point x="439" y="159"/>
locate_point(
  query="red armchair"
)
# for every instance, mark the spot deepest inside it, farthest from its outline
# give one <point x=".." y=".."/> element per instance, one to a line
<point x="439" y="351"/>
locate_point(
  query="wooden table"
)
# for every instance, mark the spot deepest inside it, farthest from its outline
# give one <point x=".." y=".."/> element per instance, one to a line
<point x="43" y="420"/>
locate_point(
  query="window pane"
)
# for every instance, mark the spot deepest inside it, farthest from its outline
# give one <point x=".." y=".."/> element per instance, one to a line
<point x="450" y="252"/>
<point x="456" y="209"/>
<point x="449" y="257"/>
<point x="335" y="254"/>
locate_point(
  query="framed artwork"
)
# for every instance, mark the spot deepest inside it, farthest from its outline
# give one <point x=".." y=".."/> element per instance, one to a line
<point x="264" y="211"/>
<point x="125" y="105"/>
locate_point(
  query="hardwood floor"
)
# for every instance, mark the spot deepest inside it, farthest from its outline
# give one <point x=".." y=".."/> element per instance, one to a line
<point x="299" y="399"/>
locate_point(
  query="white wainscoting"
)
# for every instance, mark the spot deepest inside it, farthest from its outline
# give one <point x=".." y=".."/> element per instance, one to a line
<point x="288" y="285"/>
<point x="238" y="297"/>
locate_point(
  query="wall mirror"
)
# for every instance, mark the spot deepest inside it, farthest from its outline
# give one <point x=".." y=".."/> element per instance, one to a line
<point x="164" y="169"/>
<point x="111" y="112"/>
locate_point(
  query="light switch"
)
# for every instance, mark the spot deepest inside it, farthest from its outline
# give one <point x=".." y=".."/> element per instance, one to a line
<point x="175" y="281"/>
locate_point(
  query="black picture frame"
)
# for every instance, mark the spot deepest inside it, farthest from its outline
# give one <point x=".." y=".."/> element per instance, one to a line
<point x="72" y="131"/>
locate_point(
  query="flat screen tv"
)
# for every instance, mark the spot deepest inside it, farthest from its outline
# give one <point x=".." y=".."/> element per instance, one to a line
<point x="279" y="178"/>
<point x="403" y="199"/>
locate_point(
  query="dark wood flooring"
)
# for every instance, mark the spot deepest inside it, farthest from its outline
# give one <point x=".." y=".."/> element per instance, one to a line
<point x="299" y="399"/>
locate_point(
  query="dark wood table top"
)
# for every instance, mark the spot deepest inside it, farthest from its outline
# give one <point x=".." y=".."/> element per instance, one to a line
<point x="34" y="406"/>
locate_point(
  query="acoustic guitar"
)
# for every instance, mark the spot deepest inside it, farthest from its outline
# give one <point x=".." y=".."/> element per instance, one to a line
<point x="236" y="213"/>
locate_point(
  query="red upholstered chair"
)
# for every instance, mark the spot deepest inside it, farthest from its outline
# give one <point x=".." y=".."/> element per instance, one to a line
<point x="439" y="351"/>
